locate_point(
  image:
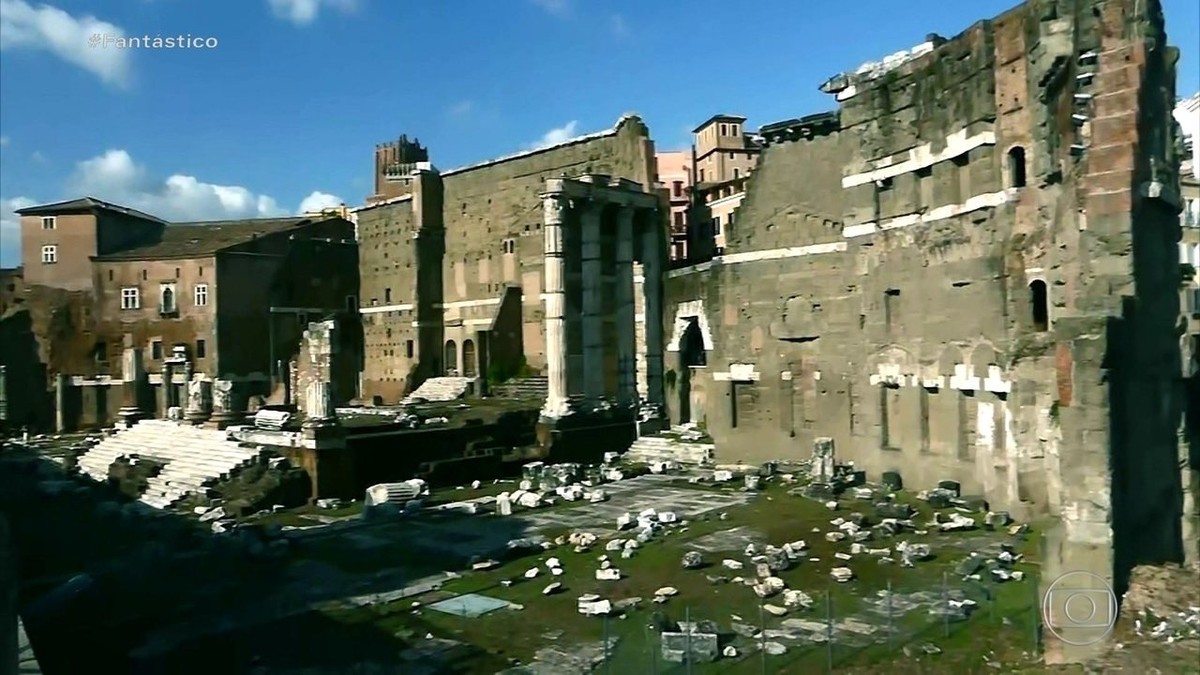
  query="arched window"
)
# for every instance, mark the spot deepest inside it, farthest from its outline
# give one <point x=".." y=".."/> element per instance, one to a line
<point x="691" y="348"/>
<point x="1040" y="305"/>
<point x="468" y="349"/>
<point x="451" y="361"/>
<point x="1016" y="167"/>
<point x="168" y="299"/>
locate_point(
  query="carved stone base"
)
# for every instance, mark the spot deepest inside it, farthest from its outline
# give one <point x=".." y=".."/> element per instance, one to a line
<point x="323" y="434"/>
<point x="223" y="420"/>
<point x="196" y="416"/>
<point x="129" y="416"/>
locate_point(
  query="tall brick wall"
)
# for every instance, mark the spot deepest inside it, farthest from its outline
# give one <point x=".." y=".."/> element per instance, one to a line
<point x="898" y="307"/>
<point x="492" y="222"/>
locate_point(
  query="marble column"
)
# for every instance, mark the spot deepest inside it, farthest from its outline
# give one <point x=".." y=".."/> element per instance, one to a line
<point x="592" y="285"/>
<point x="318" y="405"/>
<point x="626" y="321"/>
<point x="133" y="374"/>
<point x="61" y="383"/>
<point x="199" y="401"/>
<point x="554" y="211"/>
<point x="223" y="411"/>
<point x="653" y="264"/>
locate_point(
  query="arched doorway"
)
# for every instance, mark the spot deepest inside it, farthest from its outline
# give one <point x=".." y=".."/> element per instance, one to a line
<point x="468" y="349"/>
<point x="691" y="355"/>
<point x="451" y="358"/>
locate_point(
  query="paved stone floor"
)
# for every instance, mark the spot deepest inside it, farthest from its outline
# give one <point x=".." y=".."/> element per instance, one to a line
<point x="728" y="540"/>
<point x="632" y="496"/>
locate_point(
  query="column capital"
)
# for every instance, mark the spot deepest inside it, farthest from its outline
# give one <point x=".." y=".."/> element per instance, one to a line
<point x="554" y="205"/>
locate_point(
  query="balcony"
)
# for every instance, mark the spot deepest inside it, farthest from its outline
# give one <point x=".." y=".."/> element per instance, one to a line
<point x="168" y="311"/>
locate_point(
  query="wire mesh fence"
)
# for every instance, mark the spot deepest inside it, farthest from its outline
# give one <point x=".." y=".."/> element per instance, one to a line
<point x="839" y="626"/>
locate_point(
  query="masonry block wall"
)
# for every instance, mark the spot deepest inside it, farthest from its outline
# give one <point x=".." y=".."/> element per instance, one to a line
<point x="971" y="275"/>
<point x="484" y="238"/>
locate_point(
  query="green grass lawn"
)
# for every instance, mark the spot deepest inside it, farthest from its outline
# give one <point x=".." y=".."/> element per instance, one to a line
<point x="1004" y="624"/>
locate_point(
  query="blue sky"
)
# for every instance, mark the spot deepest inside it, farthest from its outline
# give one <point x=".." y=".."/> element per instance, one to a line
<point x="296" y="93"/>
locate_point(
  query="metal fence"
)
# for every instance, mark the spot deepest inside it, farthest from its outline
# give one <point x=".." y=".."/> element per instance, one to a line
<point x="844" y="626"/>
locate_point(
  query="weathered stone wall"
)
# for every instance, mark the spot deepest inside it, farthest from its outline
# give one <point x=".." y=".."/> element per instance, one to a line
<point x="490" y="239"/>
<point x="973" y="278"/>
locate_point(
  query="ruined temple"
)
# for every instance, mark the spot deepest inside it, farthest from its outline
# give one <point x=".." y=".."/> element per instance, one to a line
<point x="967" y="271"/>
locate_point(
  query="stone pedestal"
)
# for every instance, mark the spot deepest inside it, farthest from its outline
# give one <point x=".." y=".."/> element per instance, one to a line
<point x="199" y="401"/>
<point x="224" y="407"/>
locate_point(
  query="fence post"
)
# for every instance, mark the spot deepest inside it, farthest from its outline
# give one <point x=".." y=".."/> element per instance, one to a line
<point x="607" y="661"/>
<point x="762" y="632"/>
<point x="889" y="613"/>
<point x="946" y="603"/>
<point x="829" y="629"/>
<point x="687" y="654"/>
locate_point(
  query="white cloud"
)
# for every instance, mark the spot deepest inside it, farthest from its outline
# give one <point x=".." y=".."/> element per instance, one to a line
<point x="70" y="38"/>
<point x="555" y="7"/>
<point x="319" y="201"/>
<point x="38" y="157"/>
<point x="557" y="135"/>
<point x="115" y="177"/>
<point x="10" y="230"/>
<point x="462" y="108"/>
<point x="619" y="27"/>
<point x="304" y="12"/>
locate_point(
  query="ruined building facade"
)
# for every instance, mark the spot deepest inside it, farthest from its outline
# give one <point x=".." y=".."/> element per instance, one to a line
<point x="452" y="267"/>
<point x="967" y="271"/>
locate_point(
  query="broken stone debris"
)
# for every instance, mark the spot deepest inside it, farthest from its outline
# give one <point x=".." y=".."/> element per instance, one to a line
<point x="842" y="574"/>
<point x="692" y="560"/>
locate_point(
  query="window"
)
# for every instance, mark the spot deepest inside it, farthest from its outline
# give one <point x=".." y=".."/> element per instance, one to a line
<point x="387" y="296"/>
<point x="724" y="128"/>
<point x="677" y="188"/>
<point x="200" y="349"/>
<point x="731" y="155"/>
<point x="716" y="225"/>
<point x="100" y="352"/>
<point x="156" y="350"/>
<point x="509" y="246"/>
<point x="408" y="349"/>
<point x="49" y="255"/>
<point x="176" y="272"/>
<point x="200" y="296"/>
<point x="891" y="306"/>
<point x="145" y="275"/>
<point x="679" y="219"/>
<point x="166" y="296"/>
<point x="131" y="298"/>
<point x="1039" y="305"/>
<point x="736" y="173"/>
<point x="729" y="221"/>
<point x="351" y="303"/>
<point x="110" y="275"/>
<point x="1016" y="167"/>
<point x="49" y="222"/>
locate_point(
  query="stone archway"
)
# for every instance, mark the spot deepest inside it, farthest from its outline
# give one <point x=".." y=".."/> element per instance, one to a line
<point x="468" y="358"/>
<point x="692" y="355"/>
<point x="451" y="358"/>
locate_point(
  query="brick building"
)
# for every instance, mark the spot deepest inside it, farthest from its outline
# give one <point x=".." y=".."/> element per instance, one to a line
<point x="461" y="252"/>
<point x="234" y="296"/>
<point x="968" y="271"/>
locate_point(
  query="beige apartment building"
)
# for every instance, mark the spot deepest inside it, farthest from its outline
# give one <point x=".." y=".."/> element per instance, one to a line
<point x="673" y="170"/>
<point x="725" y="154"/>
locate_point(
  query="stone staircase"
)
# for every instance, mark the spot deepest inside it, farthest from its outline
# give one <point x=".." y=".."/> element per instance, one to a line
<point x="193" y="457"/>
<point x="523" y="388"/>
<point x="440" y="390"/>
<point x="676" y="445"/>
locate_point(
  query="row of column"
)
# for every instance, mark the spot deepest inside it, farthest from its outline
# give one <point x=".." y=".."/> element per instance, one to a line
<point x="592" y="313"/>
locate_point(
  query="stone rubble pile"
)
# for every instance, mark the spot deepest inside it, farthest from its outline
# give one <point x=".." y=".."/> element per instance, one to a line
<point x="439" y="390"/>
<point x="1182" y="625"/>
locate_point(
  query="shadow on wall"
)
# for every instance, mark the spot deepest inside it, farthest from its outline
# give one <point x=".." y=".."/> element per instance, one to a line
<point x="28" y="400"/>
<point x="1146" y="406"/>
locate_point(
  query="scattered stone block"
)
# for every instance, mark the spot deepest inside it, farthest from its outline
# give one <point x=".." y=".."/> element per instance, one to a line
<point x="769" y="587"/>
<point x="692" y="560"/>
<point x="775" y="610"/>
<point x="608" y="574"/>
<point x="552" y="588"/>
<point x="841" y="574"/>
